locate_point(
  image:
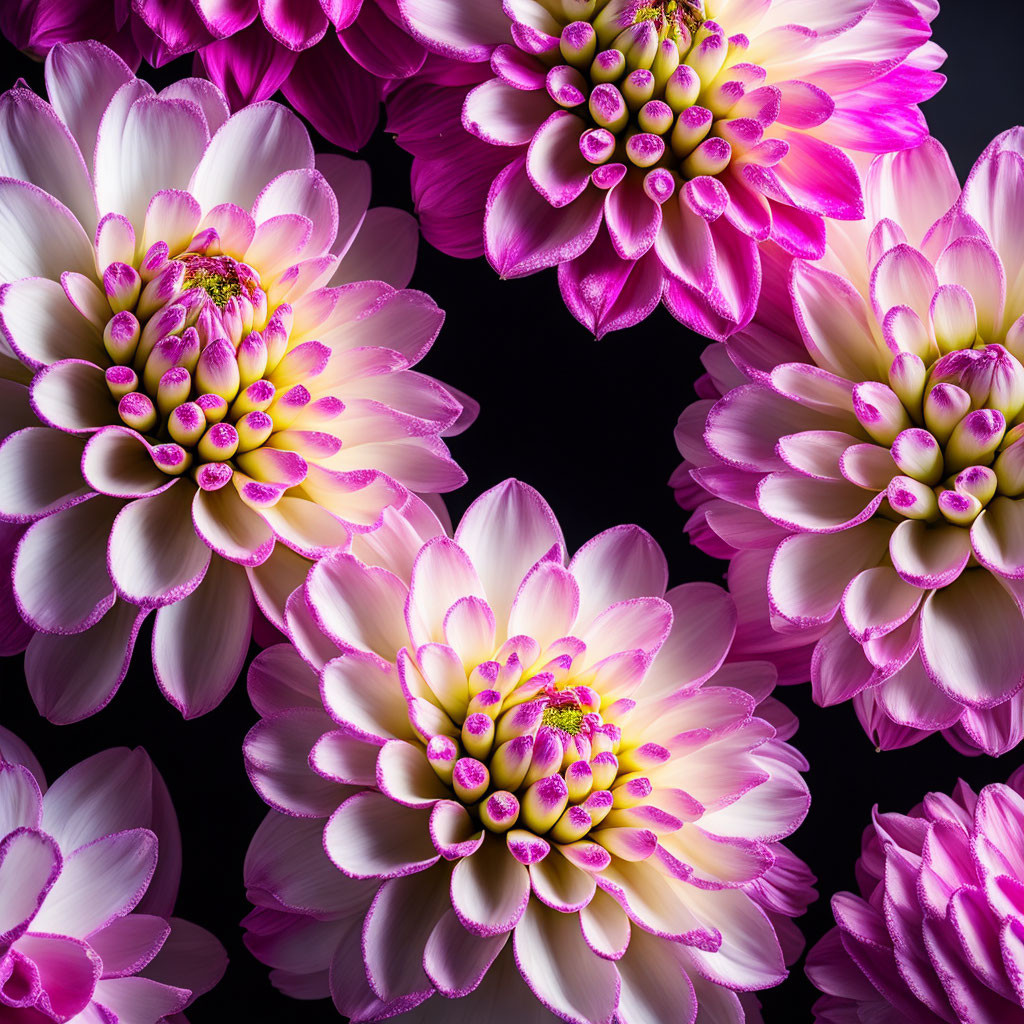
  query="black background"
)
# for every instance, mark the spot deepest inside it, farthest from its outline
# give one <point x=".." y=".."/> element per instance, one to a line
<point x="590" y="425"/>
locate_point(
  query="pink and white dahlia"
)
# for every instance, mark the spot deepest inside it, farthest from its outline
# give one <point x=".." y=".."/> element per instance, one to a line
<point x="207" y="375"/>
<point x="872" y="482"/>
<point x="937" y="932"/>
<point x="647" y="148"/>
<point x="89" y="872"/>
<point x="332" y="60"/>
<point x="531" y="787"/>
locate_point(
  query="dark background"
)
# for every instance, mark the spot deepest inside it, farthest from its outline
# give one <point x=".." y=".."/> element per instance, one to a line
<point x="590" y="425"/>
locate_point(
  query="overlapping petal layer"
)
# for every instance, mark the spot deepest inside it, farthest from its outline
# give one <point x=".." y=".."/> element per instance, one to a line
<point x="528" y="785"/>
<point x="861" y="465"/>
<point x="333" y="61"/>
<point x="207" y="352"/>
<point x="647" y="149"/>
<point x="89" y="872"/>
<point x="937" y="932"/>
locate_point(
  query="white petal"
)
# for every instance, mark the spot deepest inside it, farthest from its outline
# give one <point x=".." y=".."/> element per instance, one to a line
<point x="44" y="327"/>
<point x="383" y="250"/>
<point x="971" y="640"/>
<point x="616" y="565"/>
<point x="504" y="532"/>
<point x="457" y="960"/>
<point x="655" y="984"/>
<point x="61" y="581"/>
<point x="155" y="146"/>
<point x="99" y="882"/>
<point x="703" y="626"/>
<point x="359" y="607"/>
<point x="155" y="556"/>
<point x="81" y="79"/>
<point x="109" y="792"/>
<point x="287" y="863"/>
<point x="370" y="836"/>
<point x="545" y="607"/>
<point x="36" y="146"/>
<point x="560" y="968"/>
<point x="249" y="150"/>
<point x="20" y="799"/>
<point x="200" y="642"/>
<point x="490" y="889"/>
<point x="41" y="236"/>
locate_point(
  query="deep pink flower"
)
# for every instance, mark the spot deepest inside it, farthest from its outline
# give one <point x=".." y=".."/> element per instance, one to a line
<point x="647" y="148"/>
<point x="861" y="468"/>
<point x="331" y="58"/>
<point x="493" y="775"/>
<point x="937" y="933"/>
<point x="89" y="872"/>
<point x="208" y="376"/>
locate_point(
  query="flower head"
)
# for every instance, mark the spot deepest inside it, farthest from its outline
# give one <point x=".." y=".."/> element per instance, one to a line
<point x="876" y="468"/>
<point x="218" y="384"/>
<point x="647" y="148"/>
<point x="86" y="931"/>
<point x="489" y="768"/>
<point x="937" y="932"/>
<point x="314" y="52"/>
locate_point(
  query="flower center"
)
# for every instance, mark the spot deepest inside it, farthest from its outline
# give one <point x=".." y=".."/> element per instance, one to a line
<point x="953" y="429"/>
<point x="216" y="275"/>
<point x="567" y="717"/>
<point x="669" y="16"/>
<point x="663" y="92"/>
<point x="541" y="753"/>
<point x="193" y="345"/>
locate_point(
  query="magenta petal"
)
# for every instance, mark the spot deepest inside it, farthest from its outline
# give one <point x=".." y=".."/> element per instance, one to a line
<point x="554" y="162"/>
<point x="451" y="200"/>
<point x="516" y="68"/>
<point x="296" y="24"/>
<point x="797" y="231"/>
<point x="68" y="971"/>
<point x="729" y="304"/>
<point x="804" y="105"/>
<point x="226" y="17"/>
<point x="748" y="210"/>
<point x="523" y="233"/>
<point x="607" y="293"/>
<point x="820" y="178"/>
<point x="632" y="217"/>
<point x="177" y="27"/>
<point x="248" y="66"/>
<point x="992" y="730"/>
<point x="380" y="46"/>
<point x="327" y="71"/>
<point x="30" y="862"/>
<point x="36" y="27"/>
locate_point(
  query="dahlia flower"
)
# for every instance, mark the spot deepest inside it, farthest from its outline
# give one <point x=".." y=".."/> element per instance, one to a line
<point x="872" y="481"/>
<point x="331" y="60"/>
<point x="85" y="901"/>
<point x="208" y="378"/>
<point x="937" y="933"/>
<point x="529" y="787"/>
<point x="647" y="148"/>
